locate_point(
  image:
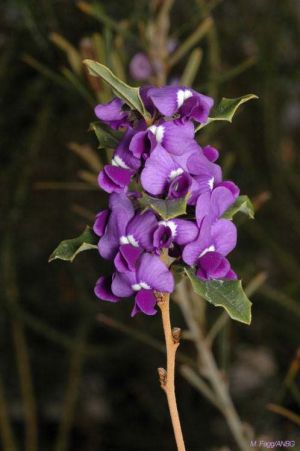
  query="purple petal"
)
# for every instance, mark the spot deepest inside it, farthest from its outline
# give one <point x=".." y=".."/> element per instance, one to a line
<point x="193" y="250"/>
<point x="123" y="152"/>
<point x="164" y="99"/>
<point x="101" y="222"/>
<point x="196" y="107"/>
<point x="117" y="201"/>
<point x="154" y="177"/>
<point x="146" y="99"/>
<point x="111" y="114"/>
<point x="231" y="187"/>
<point x="231" y="275"/>
<point x="162" y="237"/>
<point x="212" y="266"/>
<point x="179" y="186"/>
<point x="213" y="204"/>
<point x="211" y="153"/>
<point x="126" y="258"/>
<point x="116" y="227"/>
<point x="145" y="302"/>
<point x="103" y="290"/>
<point x="203" y="207"/>
<point x="155" y="273"/>
<point x="140" y="144"/>
<point x="192" y="148"/>
<point x="186" y="231"/>
<point x="122" y="284"/>
<point x="221" y="199"/>
<point x="177" y="136"/>
<point x="224" y="236"/>
<point x="114" y="179"/>
<point x="141" y="227"/>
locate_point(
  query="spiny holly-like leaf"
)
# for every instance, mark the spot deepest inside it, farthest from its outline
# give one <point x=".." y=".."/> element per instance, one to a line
<point x="106" y="138"/>
<point x="226" y="109"/>
<point x="166" y="208"/>
<point x="130" y="95"/>
<point x="242" y="204"/>
<point x="68" y="249"/>
<point x="228" y="294"/>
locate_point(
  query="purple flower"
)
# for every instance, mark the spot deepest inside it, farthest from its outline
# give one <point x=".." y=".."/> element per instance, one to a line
<point x="111" y="224"/>
<point x="140" y="67"/>
<point x="112" y="114"/>
<point x="168" y="162"/>
<point x="172" y="136"/>
<point x="103" y="290"/>
<point x="213" y="265"/>
<point x="178" y="231"/>
<point x="218" y="237"/>
<point x="186" y="102"/>
<point x="126" y="228"/>
<point x="206" y="173"/>
<point x="150" y="275"/>
<point x="114" y="179"/>
<point x="162" y="174"/>
<point x="214" y="203"/>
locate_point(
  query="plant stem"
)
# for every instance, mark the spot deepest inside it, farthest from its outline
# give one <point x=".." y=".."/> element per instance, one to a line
<point x="209" y="367"/>
<point x="167" y="377"/>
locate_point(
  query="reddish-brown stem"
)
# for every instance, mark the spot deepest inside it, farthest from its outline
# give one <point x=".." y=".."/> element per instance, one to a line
<point x="167" y="377"/>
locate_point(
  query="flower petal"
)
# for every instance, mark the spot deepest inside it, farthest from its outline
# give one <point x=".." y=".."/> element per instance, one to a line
<point x="126" y="258"/>
<point x="111" y="113"/>
<point x="211" y="153"/>
<point x="122" y="284"/>
<point x="155" y="273"/>
<point x="103" y="290"/>
<point x="114" y="179"/>
<point x="164" y="99"/>
<point x="224" y="236"/>
<point x="177" y="136"/>
<point x="158" y="167"/>
<point x="186" y="231"/>
<point x="145" y="302"/>
<point x="142" y="226"/>
<point x="100" y="222"/>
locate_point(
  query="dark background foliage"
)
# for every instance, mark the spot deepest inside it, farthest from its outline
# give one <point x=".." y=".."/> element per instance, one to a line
<point x="95" y="385"/>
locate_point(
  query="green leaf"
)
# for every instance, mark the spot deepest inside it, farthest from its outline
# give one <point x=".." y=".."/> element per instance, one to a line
<point x="106" y="138"/>
<point x="68" y="249"/>
<point x="166" y="208"/>
<point x="130" y="95"/>
<point x="228" y="294"/>
<point x="226" y="109"/>
<point x="242" y="204"/>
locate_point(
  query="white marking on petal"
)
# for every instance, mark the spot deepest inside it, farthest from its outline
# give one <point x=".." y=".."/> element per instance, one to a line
<point x="117" y="161"/>
<point x="139" y="286"/>
<point x="171" y="226"/>
<point x="211" y="183"/>
<point x="158" y="131"/>
<point x="124" y="240"/>
<point x="145" y="285"/>
<point x="132" y="241"/>
<point x="208" y="249"/>
<point x="182" y="95"/>
<point x="136" y="287"/>
<point x="129" y="239"/>
<point x="173" y="174"/>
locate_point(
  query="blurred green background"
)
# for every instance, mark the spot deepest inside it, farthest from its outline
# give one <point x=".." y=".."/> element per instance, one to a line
<point x="82" y="372"/>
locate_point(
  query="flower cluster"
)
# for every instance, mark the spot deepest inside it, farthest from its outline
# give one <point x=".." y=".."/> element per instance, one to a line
<point x="162" y="159"/>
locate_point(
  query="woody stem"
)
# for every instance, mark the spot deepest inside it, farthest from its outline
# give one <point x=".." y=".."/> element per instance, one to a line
<point x="167" y="377"/>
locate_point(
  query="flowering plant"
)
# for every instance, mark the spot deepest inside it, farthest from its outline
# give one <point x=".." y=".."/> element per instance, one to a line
<point x="169" y="209"/>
